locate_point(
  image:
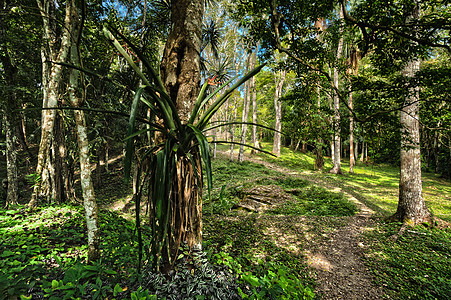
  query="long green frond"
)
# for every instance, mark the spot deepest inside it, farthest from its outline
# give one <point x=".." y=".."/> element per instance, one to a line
<point x="130" y="130"/>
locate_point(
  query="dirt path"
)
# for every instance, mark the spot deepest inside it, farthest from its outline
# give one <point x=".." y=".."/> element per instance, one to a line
<point x="337" y="257"/>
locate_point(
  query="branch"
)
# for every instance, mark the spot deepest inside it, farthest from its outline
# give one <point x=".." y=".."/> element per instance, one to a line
<point x="363" y="25"/>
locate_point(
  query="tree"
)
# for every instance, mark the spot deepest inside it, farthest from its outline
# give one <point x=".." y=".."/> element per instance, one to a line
<point x="248" y="94"/>
<point x="52" y="51"/>
<point x="336" y="105"/>
<point x="10" y="77"/>
<point x="279" y="81"/>
<point x="402" y="29"/>
<point x="89" y="200"/>
<point x="172" y="167"/>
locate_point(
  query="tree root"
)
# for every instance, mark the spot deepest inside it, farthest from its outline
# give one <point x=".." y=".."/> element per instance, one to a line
<point x="432" y="222"/>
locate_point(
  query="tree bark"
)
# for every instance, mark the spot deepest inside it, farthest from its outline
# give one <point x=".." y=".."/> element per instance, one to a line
<point x="89" y="199"/>
<point x="11" y="120"/>
<point x="51" y="77"/>
<point x="411" y="206"/>
<point x="336" y="123"/>
<point x="254" y="107"/>
<point x="278" y="111"/>
<point x="232" y="131"/>
<point x="354" y="68"/>
<point x="246" y="105"/>
<point x="180" y="73"/>
<point x="179" y="67"/>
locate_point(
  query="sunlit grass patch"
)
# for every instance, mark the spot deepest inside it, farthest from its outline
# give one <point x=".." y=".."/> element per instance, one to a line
<point x="317" y="201"/>
<point x="375" y="185"/>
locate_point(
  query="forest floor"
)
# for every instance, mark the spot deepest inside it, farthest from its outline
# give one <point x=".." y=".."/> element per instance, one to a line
<point x="322" y="232"/>
<point x="337" y="257"/>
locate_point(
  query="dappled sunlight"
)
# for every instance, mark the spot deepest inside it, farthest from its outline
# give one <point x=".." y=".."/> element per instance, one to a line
<point x="319" y="261"/>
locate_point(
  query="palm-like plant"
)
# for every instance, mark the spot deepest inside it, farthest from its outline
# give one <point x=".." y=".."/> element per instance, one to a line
<point x="172" y="168"/>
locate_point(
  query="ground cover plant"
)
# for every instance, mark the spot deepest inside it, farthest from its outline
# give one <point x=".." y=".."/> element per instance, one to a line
<point x="416" y="266"/>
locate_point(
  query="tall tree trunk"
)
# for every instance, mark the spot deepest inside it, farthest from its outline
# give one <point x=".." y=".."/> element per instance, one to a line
<point x="254" y="107"/>
<point x="11" y="164"/>
<point x="278" y="110"/>
<point x="319" y="160"/>
<point x="10" y="117"/>
<point x="232" y="130"/>
<point x="179" y="67"/>
<point x="354" y="58"/>
<point x="411" y="206"/>
<point x="362" y="155"/>
<point x="89" y="199"/>
<point x="246" y="105"/>
<point x="59" y="161"/>
<point x="214" y="134"/>
<point x="180" y="73"/>
<point x="331" y="121"/>
<point x="356" y="150"/>
<point x="436" y="148"/>
<point x="336" y="124"/>
<point x="52" y="76"/>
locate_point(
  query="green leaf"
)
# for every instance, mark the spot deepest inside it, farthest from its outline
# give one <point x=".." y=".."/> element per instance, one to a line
<point x="203" y="121"/>
<point x="130" y="141"/>
<point x="7" y="253"/>
<point x="54" y="284"/>
<point x="124" y="53"/>
<point x="202" y="102"/>
<point x="198" y="103"/>
<point x="205" y="154"/>
<point x="117" y="289"/>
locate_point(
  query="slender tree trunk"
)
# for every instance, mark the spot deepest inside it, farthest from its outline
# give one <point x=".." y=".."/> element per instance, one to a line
<point x="89" y="199"/>
<point x="331" y="121"/>
<point x="351" y="138"/>
<point x="336" y="124"/>
<point x="362" y="155"/>
<point x="59" y="161"/>
<point x="366" y="152"/>
<point x="246" y="105"/>
<point x="356" y="151"/>
<point x="10" y="118"/>
<point x="319" y="160"/>
<point x="278" y="108"/>
<point x="11" y="164"/>
<point x="214" y="133"/>
<point x="52" y="77"/>
<point x="411" y="206"/>
<point x="232" y="131"/>
<point x="254" y="106"/>
<point x="436" y="152"/>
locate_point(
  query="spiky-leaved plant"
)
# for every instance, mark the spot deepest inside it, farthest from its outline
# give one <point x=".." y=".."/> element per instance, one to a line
<point x="172" y="166"/>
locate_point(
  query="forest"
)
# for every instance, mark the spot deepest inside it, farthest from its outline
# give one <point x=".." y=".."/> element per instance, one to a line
<point x="215" y="149"/>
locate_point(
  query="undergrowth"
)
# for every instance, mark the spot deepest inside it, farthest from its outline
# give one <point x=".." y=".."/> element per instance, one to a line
<point x="415" y="266"/>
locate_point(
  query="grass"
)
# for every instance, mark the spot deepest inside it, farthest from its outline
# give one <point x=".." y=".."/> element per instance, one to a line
<point x="375" y="185"/>
<point x="416" y="266"/>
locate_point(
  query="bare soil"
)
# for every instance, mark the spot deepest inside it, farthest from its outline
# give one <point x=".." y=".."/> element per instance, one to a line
<point x="335" y="252"/>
